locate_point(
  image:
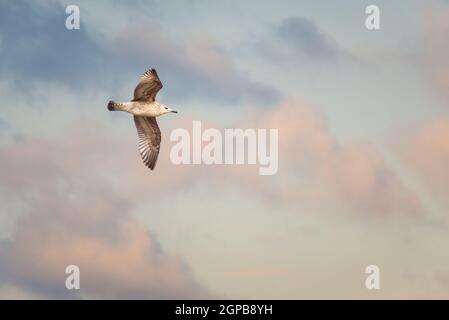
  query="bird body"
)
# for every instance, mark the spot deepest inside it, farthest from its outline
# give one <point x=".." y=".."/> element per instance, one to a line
<point x="140" y="108"/>
<point x="145" y="109"/>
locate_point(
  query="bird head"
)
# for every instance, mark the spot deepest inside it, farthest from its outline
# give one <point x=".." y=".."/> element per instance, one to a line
<point x="165" y="109"/>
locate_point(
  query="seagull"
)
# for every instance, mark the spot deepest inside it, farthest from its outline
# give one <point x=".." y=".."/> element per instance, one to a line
<point x="145" y="109"/>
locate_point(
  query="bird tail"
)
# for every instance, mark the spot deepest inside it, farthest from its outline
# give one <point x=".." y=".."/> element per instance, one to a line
<point x="113" y="106"/>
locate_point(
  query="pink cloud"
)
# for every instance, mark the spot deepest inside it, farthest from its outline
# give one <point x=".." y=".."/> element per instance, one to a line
<point x="427" y="152"/>
<point x="78" y="190"/>
<point x="126" y="264"/>
<point x="317" y="171"/>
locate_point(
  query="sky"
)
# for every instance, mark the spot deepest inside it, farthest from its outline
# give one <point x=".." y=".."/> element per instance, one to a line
<point x="363" y="178"/>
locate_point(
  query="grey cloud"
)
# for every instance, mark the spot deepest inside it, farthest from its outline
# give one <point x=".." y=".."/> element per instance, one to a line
<point x="298" y="39"/>
<point x="305" y="37"/>
<point x="193" y="67"/>
<point x="3" y="125"/>
<point x="39" y="47"/>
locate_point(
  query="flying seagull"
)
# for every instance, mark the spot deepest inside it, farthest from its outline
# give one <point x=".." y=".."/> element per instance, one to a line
<point x="145" y="109"/>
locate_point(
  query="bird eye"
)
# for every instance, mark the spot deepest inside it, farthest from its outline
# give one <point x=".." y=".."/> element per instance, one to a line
<point x="166" y="108"/>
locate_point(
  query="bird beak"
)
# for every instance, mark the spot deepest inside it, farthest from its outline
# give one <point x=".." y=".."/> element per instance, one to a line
<point x="174" y="111"/>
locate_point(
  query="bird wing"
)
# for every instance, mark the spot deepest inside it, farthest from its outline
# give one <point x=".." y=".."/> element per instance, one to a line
<point x="148" y="87"/>
<point x="149" y="139"/>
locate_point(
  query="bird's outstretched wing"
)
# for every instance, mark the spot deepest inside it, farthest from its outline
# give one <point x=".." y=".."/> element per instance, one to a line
<point x="149" y="139"/>
<point x="148" y="87"/>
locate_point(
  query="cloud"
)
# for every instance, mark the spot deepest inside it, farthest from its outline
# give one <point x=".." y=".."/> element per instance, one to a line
<point x="298" y="39"/>
<point x="75" y="212"/>
<point x="436" y="48"/>
<point x="319" y="172"/>
<point x="127" y="263"/>
<point x="426" y="151"/>
<point x="78" y="195"/>
<point x="305" y="38"/>
<point x="194" y="66"/>
<point x="3" y="125"/>
<point x="41" y="48"/>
